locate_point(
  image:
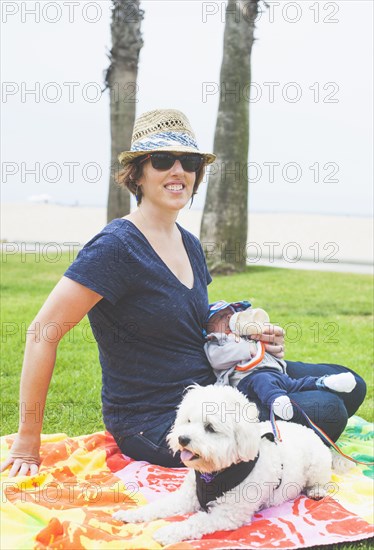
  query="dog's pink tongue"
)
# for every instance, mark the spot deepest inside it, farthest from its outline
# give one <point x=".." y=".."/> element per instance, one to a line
<point x="186" y="455"/>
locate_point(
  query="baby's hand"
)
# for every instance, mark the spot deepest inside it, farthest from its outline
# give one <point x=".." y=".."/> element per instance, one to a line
<point x="253" y="348"/>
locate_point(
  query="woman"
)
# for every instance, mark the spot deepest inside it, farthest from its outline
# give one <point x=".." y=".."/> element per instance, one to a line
<point x="143" y="283"/>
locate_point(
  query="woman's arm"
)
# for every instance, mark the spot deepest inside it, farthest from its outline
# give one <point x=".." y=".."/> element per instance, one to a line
<point x="67" y="304"/>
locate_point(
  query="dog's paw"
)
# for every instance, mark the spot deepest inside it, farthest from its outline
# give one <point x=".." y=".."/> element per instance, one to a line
<point x="168" y="535"/>
<point x="341" y="465"/>
<point x="317" y="492"/>
<point x="129" y="516"/>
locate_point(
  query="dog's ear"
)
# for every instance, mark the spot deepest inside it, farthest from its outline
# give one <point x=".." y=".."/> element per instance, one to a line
<point x="247" y="432"/>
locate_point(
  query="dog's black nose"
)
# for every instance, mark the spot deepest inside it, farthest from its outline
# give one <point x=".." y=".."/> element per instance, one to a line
<point x="184" y="440"/>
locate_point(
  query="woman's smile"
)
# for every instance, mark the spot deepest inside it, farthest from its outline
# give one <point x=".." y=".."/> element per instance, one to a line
<point x="175" y="186"/>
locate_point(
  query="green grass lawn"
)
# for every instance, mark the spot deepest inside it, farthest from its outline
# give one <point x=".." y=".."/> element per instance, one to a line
<point x="328" y="317"/>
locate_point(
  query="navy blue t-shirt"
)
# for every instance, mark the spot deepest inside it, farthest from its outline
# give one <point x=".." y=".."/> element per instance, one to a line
<point x="148" y="325"/>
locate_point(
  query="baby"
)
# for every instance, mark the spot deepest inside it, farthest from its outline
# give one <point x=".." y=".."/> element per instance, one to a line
<point x="236" y="356"/>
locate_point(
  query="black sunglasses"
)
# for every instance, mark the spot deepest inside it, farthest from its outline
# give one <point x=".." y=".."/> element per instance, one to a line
<point x="164" y="161"/>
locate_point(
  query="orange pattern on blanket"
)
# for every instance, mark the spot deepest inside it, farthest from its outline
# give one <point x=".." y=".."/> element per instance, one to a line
<point x="82" y="481"/>
<point x="275" y="535"/>
<point x="339" y="520"/>
<point x="68" y="536"/>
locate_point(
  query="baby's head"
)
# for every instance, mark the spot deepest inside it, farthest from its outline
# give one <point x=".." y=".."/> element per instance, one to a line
<point x="236" y="317"/>
<point x="219" y="321"/>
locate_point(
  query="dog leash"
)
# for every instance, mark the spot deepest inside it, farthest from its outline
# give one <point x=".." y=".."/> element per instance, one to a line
<point x="318" y="431"/>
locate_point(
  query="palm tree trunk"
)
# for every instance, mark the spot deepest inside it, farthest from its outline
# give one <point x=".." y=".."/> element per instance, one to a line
<point x="225" y="217"/>
<point x="121" y="78"/>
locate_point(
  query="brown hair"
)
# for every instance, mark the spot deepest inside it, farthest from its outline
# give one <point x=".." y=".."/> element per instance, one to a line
<point x="133" y="171"/>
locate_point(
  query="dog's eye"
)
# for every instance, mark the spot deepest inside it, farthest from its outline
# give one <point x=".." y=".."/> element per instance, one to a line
<point x="209" y="428"/>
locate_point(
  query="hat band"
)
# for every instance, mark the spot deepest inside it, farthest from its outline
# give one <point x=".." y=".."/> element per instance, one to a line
<point x="164" y="139"/>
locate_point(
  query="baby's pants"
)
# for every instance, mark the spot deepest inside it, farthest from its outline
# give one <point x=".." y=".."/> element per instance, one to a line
<point x="267" y="384"/>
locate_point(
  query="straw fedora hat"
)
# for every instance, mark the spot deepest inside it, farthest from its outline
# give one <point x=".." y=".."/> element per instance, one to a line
<point x="162" y="130"/>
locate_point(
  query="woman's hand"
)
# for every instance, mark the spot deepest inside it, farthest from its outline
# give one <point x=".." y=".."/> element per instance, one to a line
<point x="23" y="456"/>
<point x="273" y="338"/>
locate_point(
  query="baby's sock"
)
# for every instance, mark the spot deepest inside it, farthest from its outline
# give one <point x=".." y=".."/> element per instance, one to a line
<point x="282" y="407"/>
<point x="343" y="382"/>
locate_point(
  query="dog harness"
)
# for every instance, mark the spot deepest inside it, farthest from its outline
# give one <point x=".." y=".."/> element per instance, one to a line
<point x="211" y="486"/>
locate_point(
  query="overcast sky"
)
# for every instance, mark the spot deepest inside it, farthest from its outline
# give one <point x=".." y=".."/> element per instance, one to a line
<point x="311" y="98"/>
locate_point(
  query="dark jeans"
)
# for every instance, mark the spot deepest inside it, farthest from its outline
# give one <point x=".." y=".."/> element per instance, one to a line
<point x="330" y="411"/>
<point x="150" y="445"/>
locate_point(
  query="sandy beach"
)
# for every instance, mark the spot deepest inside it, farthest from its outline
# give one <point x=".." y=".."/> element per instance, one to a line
<point x="307" y="241"/>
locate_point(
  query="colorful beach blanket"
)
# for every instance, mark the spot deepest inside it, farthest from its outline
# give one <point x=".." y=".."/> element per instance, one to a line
<point x="83" y="480"/>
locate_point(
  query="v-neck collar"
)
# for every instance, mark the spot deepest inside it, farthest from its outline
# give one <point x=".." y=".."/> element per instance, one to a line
<point x="162" y="261"/>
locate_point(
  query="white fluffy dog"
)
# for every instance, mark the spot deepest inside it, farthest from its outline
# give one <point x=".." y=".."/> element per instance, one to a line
<point x="236" y="466"/>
